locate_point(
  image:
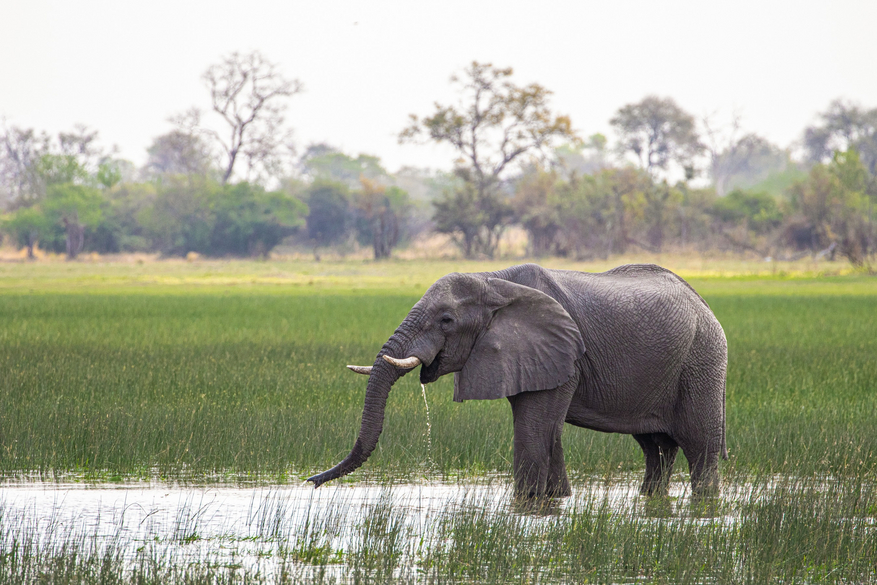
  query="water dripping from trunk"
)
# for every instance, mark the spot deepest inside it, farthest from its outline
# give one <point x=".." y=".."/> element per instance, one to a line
<point x="429" y="460"/>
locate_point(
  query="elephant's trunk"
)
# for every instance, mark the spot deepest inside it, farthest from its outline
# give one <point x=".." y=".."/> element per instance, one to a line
<point x="383" y="376"/>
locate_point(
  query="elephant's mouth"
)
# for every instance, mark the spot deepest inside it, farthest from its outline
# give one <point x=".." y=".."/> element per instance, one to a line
<point x="430" y="373"/>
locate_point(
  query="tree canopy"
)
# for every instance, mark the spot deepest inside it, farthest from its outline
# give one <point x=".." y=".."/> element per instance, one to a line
<point x="516" y="162"/>
<point x="658" y="132"/>
<point x="494" y="126"/>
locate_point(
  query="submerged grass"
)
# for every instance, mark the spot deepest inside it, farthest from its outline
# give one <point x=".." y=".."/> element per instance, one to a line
<point x="779" y="530"/>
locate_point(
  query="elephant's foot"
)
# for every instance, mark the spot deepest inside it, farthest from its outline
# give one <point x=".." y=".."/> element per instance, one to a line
<point x="558" y="483"/>
<point x="559" y="492"/>
<point x="531" y="482"/>
<point x="547" y="492"/>
<point x="542" y="483"/>
<point x="652" y="488"/>
<point x="536" y="505"/>
<point x="706" y="490"/>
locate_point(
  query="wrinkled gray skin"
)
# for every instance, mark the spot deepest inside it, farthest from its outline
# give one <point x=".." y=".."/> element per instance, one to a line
<point x="633" y="350"/>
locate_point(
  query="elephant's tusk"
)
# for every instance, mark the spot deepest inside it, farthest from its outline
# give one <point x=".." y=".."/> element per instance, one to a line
<point x="407" y="363"/>
<point x="366" y="370"/>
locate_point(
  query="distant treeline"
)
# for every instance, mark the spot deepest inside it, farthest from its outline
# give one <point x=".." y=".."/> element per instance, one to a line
<point x="671" y="181"/>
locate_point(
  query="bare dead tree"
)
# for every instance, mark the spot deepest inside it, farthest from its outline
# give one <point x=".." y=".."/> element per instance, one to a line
<point x="736" y="158"/>
<point x="719" y="141"/>
<point x="247" y="91"/>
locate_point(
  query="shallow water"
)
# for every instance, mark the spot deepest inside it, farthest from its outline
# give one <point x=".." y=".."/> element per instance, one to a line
<point x="249" y="527"/>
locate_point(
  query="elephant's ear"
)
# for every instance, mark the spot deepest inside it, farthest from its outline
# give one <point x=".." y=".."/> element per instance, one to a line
<point x="531" y="343"/>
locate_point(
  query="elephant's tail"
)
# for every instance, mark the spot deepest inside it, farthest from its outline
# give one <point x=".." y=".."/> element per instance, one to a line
<point x="724" y="425"/>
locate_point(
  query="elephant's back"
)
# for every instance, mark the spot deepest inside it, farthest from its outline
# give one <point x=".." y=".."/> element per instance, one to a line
<point x="659" y="273"/>
<point x="648" y="307"/>
<point x="638" y="323"/>
<point x="632" y="291"/>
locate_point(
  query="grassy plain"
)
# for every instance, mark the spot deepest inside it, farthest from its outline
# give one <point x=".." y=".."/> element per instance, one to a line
<point x="195" y="369"/>
<point x="235" y="370"/>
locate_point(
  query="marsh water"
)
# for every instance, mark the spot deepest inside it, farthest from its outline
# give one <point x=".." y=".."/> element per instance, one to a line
<point x="319" y="534"/>
<point x="245" y="526"/>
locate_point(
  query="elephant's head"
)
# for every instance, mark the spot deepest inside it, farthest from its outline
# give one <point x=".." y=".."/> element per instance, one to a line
<point x="500" y="338"/>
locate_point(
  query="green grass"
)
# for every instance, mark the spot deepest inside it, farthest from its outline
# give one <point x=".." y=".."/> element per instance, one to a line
<point x="250" y="381"/>
<point x="357" y="276"/>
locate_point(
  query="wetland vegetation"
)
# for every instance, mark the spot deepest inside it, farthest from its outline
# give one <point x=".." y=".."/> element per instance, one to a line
<point x="232" y="374"/>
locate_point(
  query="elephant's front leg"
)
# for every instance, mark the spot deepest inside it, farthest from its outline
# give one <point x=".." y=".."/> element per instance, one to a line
<point x="538" y="452"/>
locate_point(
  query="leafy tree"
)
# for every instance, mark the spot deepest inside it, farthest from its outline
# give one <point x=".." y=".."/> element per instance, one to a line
<point x="247" y="92"/>
<point x="126" y="205"/>
<point x="583" y="159"/>
<point x="248" y="221"/>
<point x="180" y="219"/>
<point x="658" y="132"/>
<point x="537" y="209"/>
<point x="61" y="180"/>
<point x="380" y="214"/>
<point x="475" y="221"/>
<point x="111" y="172"/>
<point x="197" y="215"/>
<point x="588" y="215"/>
<point x="844" y="126"/>
<point x="745" y="220"/>
<point x="778" y="183"/>
<point x="76" y="158"/>
<point x="328" y="220"/>
<point x="57" y="169"/>
<point x="662" y="206"/>
<point x="26" y="225"/>
<point x="495" y="125"/>
<point x="694" y="215"/>
<point x="830" y="208"/>
<point x="460" y="215"/>
<point x="758" y="211"/>
<point x="604" y="212"/>
<point x="322" y="161"/>
<point x="179" y="152"/>
<point x="586" y="210"/>
<point x="75" y="208"/>
<point x="31" y="162"/>
<point x="424" y="185"/>
<point x="20" y="151"/>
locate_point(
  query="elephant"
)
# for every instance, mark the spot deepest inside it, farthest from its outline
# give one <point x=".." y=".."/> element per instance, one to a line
<point x="633" y="350"/>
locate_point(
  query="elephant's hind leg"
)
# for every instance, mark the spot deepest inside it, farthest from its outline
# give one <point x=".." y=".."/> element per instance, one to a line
<point x="700" y="425"/>
<point x="539" y="466"/>
<point x="703" y="462"/>
<point x="660" y="451"/>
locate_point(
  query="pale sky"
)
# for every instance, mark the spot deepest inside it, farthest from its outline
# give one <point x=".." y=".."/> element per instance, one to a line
<point x="123" y="68"/>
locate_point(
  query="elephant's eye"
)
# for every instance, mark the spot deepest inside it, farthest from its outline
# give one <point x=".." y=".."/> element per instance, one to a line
<point x="447" y="320"/>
